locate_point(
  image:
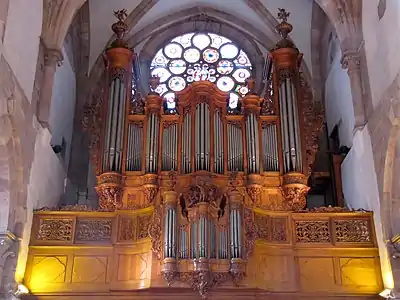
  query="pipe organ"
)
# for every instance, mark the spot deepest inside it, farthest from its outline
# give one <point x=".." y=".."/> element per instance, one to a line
<point x="205" y="196"/>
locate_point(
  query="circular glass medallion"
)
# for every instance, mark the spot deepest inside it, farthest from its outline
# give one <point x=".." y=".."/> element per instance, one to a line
<point x="177" y="84"/>
<point x="161" y="89"/>
<point x="160" y="59"/>
<point x="170" y="98"/>
<point x="162" y="73"/>
<point x="225" y="83"/>
<point x="173" y="50"/>
<point x="201" y="41"/>
<point x="243" y="59"/>
<point x="210" y="55"/>
<point x="191" y="55"/>
<point x="229" y="51"/>
<point x="243" y="90"/>
<point x="241" y="75"/>
<point x="177" y="66"/>
<point x="184" y="40"/>
<point x="233" y="100"/>
<point x="225" y="67"/>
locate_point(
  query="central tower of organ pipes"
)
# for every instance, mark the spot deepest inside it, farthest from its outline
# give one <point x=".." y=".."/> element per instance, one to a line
<point x="286" y="63"/>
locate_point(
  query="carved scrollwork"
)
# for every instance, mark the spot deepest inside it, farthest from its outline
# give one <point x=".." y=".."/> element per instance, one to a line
<point x="203" y="281"/>
<point x="250" y="232"/>
<point x="311" y="231"/>
<point x="353" y="231"/>
<point x="313" y="114"/>
<point x="55" y="230"/>
<point x="150" y="192"/>
<point x="278" y="229"/>
<point x="126" y="229"/>
<point x="144" y="222"/>
<point x="110" y="197"/>
<point x="93" y="230"/>
<point x="155" y="232"/>
<point x="254" y="192"/>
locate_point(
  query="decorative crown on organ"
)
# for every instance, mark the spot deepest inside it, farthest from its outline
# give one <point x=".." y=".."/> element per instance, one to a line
<point x="203" y="166"/>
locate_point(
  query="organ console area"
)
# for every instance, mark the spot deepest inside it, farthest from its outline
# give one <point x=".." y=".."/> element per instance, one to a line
<point x="205" y="198"/>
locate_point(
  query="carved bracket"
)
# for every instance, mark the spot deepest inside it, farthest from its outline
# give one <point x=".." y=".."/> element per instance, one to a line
<point x="155" y="232"/>
<point x="109" y="189"/>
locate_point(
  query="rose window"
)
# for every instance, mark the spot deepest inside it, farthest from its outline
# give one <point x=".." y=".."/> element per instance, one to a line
<point x="201" y="56"/>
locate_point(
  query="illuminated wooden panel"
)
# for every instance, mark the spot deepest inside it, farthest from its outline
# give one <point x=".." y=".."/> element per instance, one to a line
<point x="316" y="274"/>
<point x="359" y="274"/>
<point x="47" y="270"/>
<point x="89" y="269"/>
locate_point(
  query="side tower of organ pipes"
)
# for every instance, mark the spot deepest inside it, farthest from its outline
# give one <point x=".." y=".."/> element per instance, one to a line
<point x="115" y="107"/>
<point x="286" y="60"/>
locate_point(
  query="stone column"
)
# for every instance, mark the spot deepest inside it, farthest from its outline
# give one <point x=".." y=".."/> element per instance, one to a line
<point x="52" y="59"/>
<point x="351" y="62"/>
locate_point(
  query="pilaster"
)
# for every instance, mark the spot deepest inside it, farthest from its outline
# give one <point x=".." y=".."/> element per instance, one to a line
<point x="351" y="61"/>
<point x="52" y="59"/>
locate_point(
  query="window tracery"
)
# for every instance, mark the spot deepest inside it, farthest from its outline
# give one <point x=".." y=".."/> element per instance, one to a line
<point x="201" y="56"/>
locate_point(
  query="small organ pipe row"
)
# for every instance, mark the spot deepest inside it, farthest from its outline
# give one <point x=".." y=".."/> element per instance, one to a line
<point x="113" y="141"/>
<point x="235" y="233"/>
<point x="270" y="149"/>
<point x="252" y="142"/>
<point x="207" y="238"/>
<point x="134" y="147"/>
<point x="153" y="129"/>
<point x="169" y="148"/>
<point x="235" y="147"/>
<point x="218" y="143"/>
<point x="170" y="233"/>
<point x="184" y="243"/>
<point x="186" y="143"/>
<point x="202" y="137"/>
<point x="290" y="127"/>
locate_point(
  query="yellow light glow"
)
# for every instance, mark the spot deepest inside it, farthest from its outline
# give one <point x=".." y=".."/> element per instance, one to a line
<point x="388" y="280"/>
<point x="21" y="290"/>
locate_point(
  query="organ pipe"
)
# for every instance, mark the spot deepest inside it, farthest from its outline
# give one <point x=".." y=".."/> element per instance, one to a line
<point x="134" y="147"/>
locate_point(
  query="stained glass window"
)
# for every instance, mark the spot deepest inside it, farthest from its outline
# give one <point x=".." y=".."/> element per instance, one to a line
<point x="201" y="56"/>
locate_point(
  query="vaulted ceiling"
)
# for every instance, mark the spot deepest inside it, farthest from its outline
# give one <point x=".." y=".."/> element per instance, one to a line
<point x="254" y="18"/>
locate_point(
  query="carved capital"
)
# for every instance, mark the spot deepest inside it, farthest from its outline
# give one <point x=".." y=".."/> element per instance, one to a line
<point x="351" y="61"/>
<point x="294" y="197"/>
<point x="294" y="191"/>
<point x="53" y="57"/>
<point x="109" y="189"/>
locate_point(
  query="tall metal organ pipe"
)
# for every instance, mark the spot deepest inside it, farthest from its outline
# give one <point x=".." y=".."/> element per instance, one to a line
<point x="202" y="137"/>
<point x="252" y="143"/>
<point x="152" y="135"/>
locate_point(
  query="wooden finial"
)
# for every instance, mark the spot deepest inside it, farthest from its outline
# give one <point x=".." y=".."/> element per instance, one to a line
<point x="283" y="15"/>
<point x="154" y="81"/>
